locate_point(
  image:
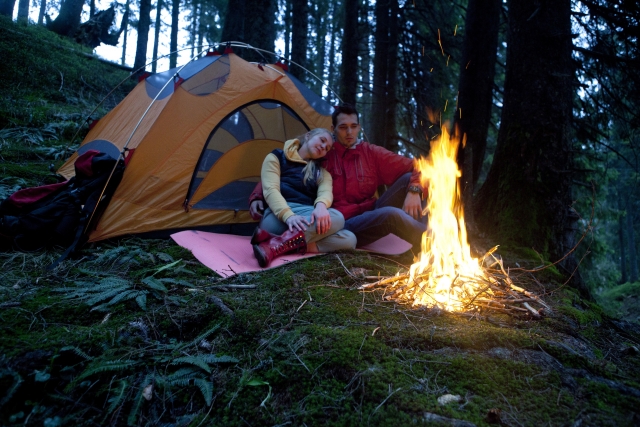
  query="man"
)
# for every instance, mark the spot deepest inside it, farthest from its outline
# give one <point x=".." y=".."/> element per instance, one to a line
<point x="358" y="169"/>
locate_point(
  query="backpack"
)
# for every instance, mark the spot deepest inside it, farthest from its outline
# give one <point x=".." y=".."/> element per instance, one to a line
<point x="60" y="214"/>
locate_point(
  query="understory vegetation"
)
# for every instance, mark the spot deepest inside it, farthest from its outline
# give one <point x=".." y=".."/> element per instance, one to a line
<point x="138" y="332"/>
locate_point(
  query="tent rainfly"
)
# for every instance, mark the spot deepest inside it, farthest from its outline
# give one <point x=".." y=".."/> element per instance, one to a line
<point x="194" y="140"/>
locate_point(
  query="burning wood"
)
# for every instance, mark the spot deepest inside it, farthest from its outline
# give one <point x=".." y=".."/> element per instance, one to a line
<point x="444" y="274"/>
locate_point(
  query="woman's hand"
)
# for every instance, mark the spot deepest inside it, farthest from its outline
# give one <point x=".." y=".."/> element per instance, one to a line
<point x="297" y="222"/>
<point x="322" y="218"/>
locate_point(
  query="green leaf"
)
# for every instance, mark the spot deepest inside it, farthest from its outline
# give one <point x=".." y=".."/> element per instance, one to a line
<point x="167" y="266"/>
<point x="41" y="376"/>
<point x="154" y="283"/>
<point x="211" y="358"/>
<point x="192" y="360"/>
<point x="108" y="366"/>
<point x="142" y="301"/>
<point x="206" y="388"/>
<point x="124" y="296"/>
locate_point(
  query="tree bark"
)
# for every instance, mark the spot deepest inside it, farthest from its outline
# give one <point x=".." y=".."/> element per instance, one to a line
<point x="6" y="7"/>
<point x="299" y="37"/>
<point x="175" y="28"/>
<point x="193" y="33"/>
<point x="125" y="28"/>
<point x="378" y="129"/>
<point x="143" y="36"/>
<point x="526" y="199"/>
<point x="287" y="29"/>
<point x="391" y="142"/>
<point x="332" y="47"/>
<point x="349" y="67"/>
<point x="42" y="11"/>
<point x="156" y="36"/>
<point x="321" y="21"/>
<point x="251" y="22"/>
<point x="633" y="255"/>
<point x="68" y="20"/>
<point x="23" y="11"/>
<point x="621" y="240"/>
<point x="473" y="116"/>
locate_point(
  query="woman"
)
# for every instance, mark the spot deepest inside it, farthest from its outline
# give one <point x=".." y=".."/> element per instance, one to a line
<point x="299" y="194"/>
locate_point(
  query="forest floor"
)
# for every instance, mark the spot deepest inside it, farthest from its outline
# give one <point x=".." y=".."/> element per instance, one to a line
<point x="138" y="332"/>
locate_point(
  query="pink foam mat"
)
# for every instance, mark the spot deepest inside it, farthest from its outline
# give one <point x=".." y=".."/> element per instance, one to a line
<point x="228" y="254"/>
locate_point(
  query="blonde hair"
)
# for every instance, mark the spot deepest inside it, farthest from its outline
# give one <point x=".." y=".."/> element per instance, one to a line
<point x="312" y="169"/>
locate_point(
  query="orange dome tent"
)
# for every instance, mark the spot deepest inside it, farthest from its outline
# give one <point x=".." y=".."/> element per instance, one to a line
<point x="194" y="138"/>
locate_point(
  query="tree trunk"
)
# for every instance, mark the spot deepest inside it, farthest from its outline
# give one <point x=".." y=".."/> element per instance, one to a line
<point x="23" y="11"/>
<point x="349" y="68"/>
<point x="92" y="8"/>
<point x="299" y="37"/>
<point x="621" y="241"/>
<point x="175" y="29"/>
<point x="68" y="20"/>
<point x="125" y="29"/>
<point x="260" y="28"/>
<point x="321" y="20"/>
<point x="287" y="28"/>
<point x="42" y="11"/>
<point x="193" y="33"/>
<point x="526" y="199"/>
<point x="156" y="36"/>
<point x="378" y="129"/>
<point x="6" y="7"/>
<point x="633" y="255"/>
<point x="365" y="71"/>
<point x="477" y="71"/>
<point x="201" y="27"/>
<point x="233" y="29"/>
<point x="391" y="141"/>
<point x="332" y="48"/>
<point x="143" y="36"/>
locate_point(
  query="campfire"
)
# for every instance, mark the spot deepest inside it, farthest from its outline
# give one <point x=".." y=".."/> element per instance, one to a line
<point x="444" y="274"/>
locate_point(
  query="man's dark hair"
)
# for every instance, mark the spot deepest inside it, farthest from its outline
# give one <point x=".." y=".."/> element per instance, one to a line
<point x="343" y="109"/>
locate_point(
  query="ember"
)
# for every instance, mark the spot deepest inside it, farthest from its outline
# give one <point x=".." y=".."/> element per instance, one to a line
<point x="444" y="274"/>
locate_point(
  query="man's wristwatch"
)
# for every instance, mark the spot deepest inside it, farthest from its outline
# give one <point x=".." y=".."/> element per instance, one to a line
<point x="414" y="189"/>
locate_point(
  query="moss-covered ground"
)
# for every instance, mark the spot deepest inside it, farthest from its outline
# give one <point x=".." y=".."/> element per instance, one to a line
<point x="138" y="332"/>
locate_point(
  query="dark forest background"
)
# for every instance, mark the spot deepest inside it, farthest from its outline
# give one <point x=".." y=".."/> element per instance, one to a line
<point x="545" y="91"/>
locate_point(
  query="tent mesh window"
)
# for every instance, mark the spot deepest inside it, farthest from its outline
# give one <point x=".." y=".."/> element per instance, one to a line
<point x="230" y="164"/>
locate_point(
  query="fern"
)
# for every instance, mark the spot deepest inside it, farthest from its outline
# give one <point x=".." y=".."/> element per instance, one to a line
<point x="154" y="283"/>
<point x="192" y="360"/>
<point x="106" y="366"/>
<point x="77" y="351"/>
<point x="185" y="377"/>
<point x="137" y="403"/>
<point x="206" y="388"/>
<point x="200" y="337"/>
<point x="117" y="399"/>
<point x="212" y="358"/>
<point x="165" y="257"/>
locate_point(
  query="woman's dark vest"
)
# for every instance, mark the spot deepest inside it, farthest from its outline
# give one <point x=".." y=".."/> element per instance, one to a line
<point x="291" y="181"/>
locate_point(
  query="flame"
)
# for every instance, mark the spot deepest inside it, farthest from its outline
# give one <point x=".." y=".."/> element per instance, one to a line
<point x="444" y="274"/>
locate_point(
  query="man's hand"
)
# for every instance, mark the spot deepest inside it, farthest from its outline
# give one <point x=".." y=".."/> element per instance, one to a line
<point x="413" y="205"/>
<point x="322" y="217"/>
<point x="297" y="222"/>
<point x="256" y="208"/>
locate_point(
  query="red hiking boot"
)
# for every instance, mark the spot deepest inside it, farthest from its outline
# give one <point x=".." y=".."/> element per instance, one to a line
<point x="289" y="241"/>
<point x="259" y="235"/>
